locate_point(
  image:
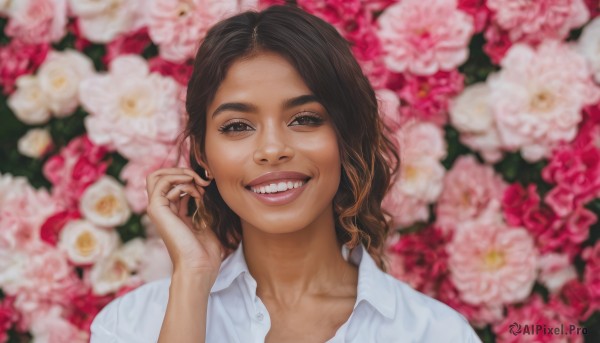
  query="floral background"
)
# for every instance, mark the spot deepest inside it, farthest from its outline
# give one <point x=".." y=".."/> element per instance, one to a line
<point x="495" y="105"/>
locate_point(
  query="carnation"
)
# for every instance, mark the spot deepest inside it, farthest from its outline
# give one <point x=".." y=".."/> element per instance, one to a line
<point x="535" y="21"/>
<point x="491" y="263"/>
<point x="86" y="243"/>
<point x="132" y="110"/>
<point x="104" y="203"/>
<point x="423" y="37"/>
<point x="538" y="95"/>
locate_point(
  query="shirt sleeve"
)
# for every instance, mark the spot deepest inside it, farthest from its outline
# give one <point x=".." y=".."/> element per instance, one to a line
<point x="104" y="325"/>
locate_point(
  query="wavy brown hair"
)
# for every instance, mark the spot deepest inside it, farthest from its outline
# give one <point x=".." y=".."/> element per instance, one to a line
<point x="325" y="62"/>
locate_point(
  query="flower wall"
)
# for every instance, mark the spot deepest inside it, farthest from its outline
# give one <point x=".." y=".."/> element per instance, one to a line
<point x="495" y="105"/>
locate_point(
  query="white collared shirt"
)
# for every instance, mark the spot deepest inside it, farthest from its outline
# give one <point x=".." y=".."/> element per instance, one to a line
<point x="386" y="310"/>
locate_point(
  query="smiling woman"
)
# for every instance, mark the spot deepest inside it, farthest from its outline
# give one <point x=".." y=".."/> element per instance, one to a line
<point x="284" y="122"/>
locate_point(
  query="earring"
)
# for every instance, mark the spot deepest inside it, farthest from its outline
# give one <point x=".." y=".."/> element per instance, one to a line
<point x="206" y="174"/>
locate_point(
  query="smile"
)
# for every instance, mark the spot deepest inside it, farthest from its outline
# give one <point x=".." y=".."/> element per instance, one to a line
<point x="280" y="193"/>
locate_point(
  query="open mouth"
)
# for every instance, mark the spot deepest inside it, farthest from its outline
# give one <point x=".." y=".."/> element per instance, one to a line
<point x="277" y="187"/>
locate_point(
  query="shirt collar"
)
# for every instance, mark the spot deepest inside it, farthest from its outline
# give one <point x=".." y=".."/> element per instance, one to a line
<point x="374" y="286"/>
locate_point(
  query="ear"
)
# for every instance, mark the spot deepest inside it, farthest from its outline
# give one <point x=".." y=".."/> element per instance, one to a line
<point x="197" y="154"/>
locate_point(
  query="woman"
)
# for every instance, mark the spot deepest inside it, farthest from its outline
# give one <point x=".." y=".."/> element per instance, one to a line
<point x="294" y="163"/>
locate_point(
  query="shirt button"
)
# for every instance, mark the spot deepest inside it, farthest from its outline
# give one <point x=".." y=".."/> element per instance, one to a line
<point x="260" y="316"/>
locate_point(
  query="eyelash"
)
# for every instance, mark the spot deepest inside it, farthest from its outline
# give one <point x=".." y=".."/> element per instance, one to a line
<point x="225" y="129"/>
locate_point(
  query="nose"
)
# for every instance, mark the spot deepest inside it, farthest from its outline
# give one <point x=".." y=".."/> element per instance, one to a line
<point x="273" y="147"/>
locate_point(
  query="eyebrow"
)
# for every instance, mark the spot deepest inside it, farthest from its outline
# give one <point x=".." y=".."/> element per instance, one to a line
<point x="244" y="107"/>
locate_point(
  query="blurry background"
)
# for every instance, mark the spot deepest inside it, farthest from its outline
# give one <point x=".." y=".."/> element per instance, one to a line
<point x="495" y="105"/>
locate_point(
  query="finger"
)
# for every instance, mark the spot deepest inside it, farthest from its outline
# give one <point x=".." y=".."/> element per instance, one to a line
<point x="164" y="185"/>
<point x="156" y="175"/>
<point x="179" y="191"/>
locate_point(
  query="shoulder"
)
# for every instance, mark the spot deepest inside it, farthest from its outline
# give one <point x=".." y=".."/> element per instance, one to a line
<point x="428" y="319"/>
<point x="134" y="317"/>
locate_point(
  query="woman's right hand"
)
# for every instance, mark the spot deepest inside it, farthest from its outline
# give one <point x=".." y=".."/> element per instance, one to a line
<point x="193" y="252"/>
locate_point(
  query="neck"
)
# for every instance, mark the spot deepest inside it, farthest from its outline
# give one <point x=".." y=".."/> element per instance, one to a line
<point x="290" y="266"/>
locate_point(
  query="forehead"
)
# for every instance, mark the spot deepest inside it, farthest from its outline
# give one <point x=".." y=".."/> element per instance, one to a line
<point x="262" y="78"/>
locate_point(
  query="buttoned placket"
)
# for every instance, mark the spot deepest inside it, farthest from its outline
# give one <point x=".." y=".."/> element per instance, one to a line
<point x="260" y="323"/>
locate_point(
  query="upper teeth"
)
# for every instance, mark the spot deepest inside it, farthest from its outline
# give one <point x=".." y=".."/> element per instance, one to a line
<point x="277" y="187"/>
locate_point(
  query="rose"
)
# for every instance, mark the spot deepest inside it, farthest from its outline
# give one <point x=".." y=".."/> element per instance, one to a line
<point x="85" y="243"/>
<point x="104" y="203"/>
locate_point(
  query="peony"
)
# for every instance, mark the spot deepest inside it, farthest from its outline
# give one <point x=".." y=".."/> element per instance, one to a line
<point x="101" y="21"/>
<point x="29" y="102"/>
<point x="78" y="165"/>
<point x="535" y="21"/>
<point x="37" y="21"/>
<point x="470" y="111"/>
<point x="19" y="59"/>
<point x="115" y="271"/>
<point x="178" y="26"/>
<point x="589" y="44"/>
<point x="421" y="173"/>
<point x="59" y="77"/>
<point x="423" y="37"/>
<point x="471" y="191"/>
<point x="35" y="143"/>
<point x="86" y="243"/>
<point x="538" y="95"/>
<point x="132" y="110"/>
<point x="53" y="328"/>
<point x="427" y="97"/>
<point x="104" y="203"/>
<point x="491" y="263"/>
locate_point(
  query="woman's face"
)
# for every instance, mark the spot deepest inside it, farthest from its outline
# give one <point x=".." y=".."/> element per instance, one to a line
<point x="265" y="119"/>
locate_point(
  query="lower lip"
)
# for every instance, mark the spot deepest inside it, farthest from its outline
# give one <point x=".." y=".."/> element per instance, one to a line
<point x="281" y="198"/>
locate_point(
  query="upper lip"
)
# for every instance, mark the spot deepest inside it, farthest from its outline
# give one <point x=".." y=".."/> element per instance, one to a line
<point x="278" y="176"/>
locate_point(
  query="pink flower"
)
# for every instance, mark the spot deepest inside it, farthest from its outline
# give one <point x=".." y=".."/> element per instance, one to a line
<point x="427" y="97"/>
<point x="491" y="263"/>
<point x="534" y="21"/>
<point x="497" y="43"/>
<point x="535" y="312"/>
<point x="129" y="43"/>
<point x="419" y="259"/>
<point x="53" y="225"/>
<point x="477" y="315"/>
<point x="132" y="110"/>
<point x="77" y="166"/>
<point x="576" y="171"/>
<point x="85" y="305"/>
<point x="8" y="317"/>
<point x="423" y="37"/>
<point x="53" y="328"/>
<point x="19" y="59"/>
<point x="178" y="26"/>
<point x="517" y="202"/>
<point x="591" y="274"/>
<point x="37" y="21"/>
<point x="478" y="10"/>
<point x="180" y="72"/>
<point x="577" y="296"/>
<point x="555" y="270"/>
<point x="471" y="191"/>
<point x="538" y="95"/>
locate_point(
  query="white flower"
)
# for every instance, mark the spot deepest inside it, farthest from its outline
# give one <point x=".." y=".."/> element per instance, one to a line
<point x="59" y="77"/>
<point x="555" y="271"/>
<point x="104" y="203"/>
<point x="100" y="21"/>
<point x="34" y="143"/>
<point x="28" y="102"/>
<point x="85" y="243"/>
<point x="115" y="271"/>
<point x="470" y="111"/>
<point x="589" y="46"/>
<point x="12" y="265"/>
